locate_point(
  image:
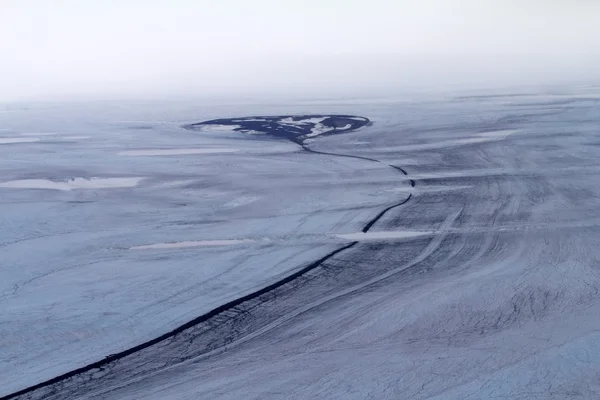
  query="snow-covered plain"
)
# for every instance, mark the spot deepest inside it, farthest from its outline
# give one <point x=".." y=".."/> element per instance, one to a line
<point x="73" y="292"/>
<point x="72" y="184"/>
<point x="175" y="152"/>
<point x="489" y="289"/>
<point x="12" y="140"/>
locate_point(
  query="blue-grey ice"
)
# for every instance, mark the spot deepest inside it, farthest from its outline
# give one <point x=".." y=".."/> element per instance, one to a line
<point x="448" y="250"/>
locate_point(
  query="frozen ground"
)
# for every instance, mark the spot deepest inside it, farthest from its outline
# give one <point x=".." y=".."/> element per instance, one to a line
<point x="481" y="281"/>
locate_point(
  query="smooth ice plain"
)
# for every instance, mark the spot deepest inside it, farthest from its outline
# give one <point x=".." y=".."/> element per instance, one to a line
<point x="478" y="279"/>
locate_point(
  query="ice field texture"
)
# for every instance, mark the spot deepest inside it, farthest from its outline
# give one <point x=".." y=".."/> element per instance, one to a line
<point x="426" y="247"/>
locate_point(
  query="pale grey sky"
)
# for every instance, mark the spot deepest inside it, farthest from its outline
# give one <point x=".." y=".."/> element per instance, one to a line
<point x="62" y="48"/>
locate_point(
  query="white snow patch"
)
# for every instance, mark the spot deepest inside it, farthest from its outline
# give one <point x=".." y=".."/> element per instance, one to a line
<point x="189" y="244"/>
<point x="38" y="134"/>
<point x="443" y="188"/>
<point x="425" y="189"/>
<point x="216" y="127"/>
<point x="502" y="133"/>
<point x="291" y="121"/>
<point x="319" y="129"/>
<point x="176" y="152"/>
<point x="18" y="140"/>
<point x="241" y="201"/>
<point x="72" y="184"/>
<point x="383" y="235"/>
<point x="226" y="128"/>
<point x="173" y="184"/>
<point x="74" y="137"/>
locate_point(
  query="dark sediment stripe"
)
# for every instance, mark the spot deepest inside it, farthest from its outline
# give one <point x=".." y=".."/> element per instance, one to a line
<point x="381" y="214"/>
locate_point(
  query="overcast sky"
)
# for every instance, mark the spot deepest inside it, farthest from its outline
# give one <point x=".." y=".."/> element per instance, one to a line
<point x="62" y="48"/>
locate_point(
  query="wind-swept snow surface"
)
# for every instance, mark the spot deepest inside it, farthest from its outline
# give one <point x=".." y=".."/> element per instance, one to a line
<point x="12" y="140"/>
<point x="174" y="152"/>
<point x="476" y="278"/>
<point x="199" y="243"/>
<point x="72" y="291"/>
<point x="72" y="184"/>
